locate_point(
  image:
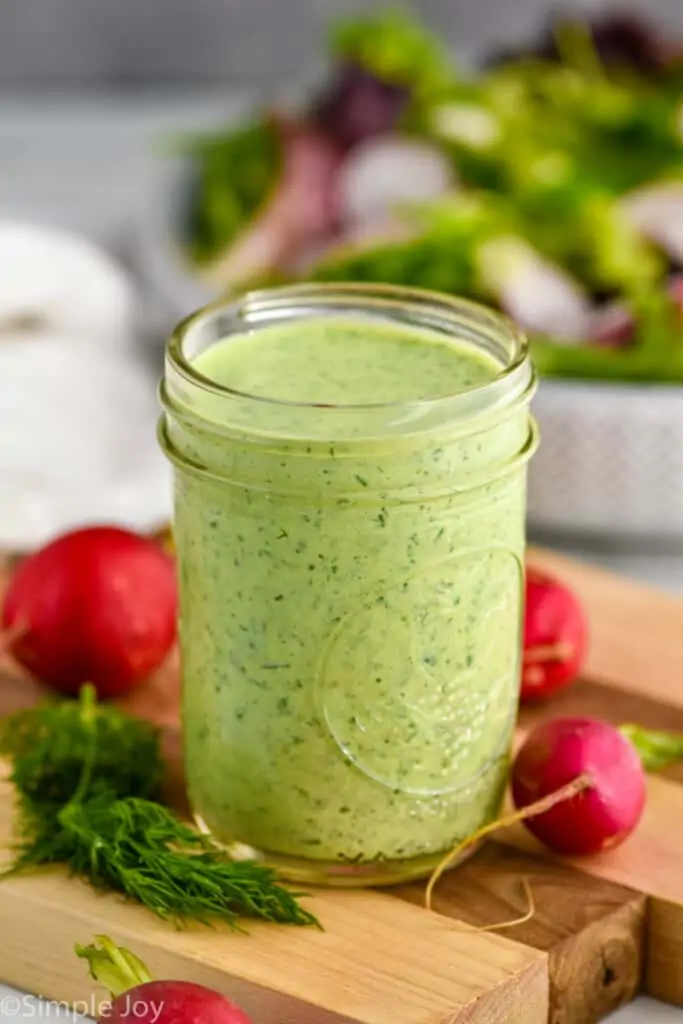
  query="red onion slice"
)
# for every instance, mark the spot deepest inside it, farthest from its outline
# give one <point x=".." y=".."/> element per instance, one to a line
<point x="303" y="207"/>
<point x="536" y="294"/>
<point x="382" y="174"/>
<point x="612" y="326"/>
<point x="657" y="212"/>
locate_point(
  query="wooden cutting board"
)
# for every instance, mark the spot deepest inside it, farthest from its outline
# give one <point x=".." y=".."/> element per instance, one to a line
<point x="602" y="929"/>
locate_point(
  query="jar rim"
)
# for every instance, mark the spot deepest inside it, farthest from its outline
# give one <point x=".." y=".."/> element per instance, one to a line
<point x="461" y="314"/>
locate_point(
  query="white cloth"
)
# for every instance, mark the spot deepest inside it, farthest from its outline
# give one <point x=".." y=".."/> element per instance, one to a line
<point x="78" y="404"/>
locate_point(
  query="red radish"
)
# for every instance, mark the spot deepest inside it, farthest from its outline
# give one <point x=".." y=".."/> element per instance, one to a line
<point x="97" y="605"/>
<point x="172" y="1002"/>
<point x="555" y="636"/>
<point x="139" y="1000"/>
<point x="606" y="811"/>
<point x="579" y="785"/>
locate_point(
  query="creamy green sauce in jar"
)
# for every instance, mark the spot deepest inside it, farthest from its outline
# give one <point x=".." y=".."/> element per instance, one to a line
<point x="351" y="597"/>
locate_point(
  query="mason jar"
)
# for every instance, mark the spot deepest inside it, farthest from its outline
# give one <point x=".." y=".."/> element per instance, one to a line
<point x="350" y="484"/>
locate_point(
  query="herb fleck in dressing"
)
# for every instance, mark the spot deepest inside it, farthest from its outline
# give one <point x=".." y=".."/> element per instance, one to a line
<point x="350" y="599"/>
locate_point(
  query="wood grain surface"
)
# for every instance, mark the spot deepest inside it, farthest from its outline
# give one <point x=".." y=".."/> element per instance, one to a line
<point x="593" y="931"/>
<point x="601" y="928"/>
<point x="379" y="960"/>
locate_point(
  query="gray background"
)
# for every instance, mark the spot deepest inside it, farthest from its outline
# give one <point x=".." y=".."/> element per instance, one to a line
<point x="152" y="43"/>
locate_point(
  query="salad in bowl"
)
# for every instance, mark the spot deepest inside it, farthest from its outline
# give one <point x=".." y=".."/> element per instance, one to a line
<point x="548" y="183"/>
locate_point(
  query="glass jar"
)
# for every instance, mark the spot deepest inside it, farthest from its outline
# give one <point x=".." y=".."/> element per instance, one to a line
<point x="351" y="582"/>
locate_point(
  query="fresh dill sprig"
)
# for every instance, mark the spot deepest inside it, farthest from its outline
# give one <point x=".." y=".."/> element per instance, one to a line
<point x="140" y="848"/>
<point x="86" y="776"/>
<point x="51" y="748"/>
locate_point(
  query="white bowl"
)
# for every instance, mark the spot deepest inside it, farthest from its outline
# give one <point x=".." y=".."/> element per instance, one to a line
<point x="610" y="462"/>
<point x="82" y="427"/>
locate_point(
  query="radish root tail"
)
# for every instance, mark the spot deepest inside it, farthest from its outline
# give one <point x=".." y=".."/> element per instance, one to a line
<point x="522" y="919"/>
<point x="571" y="789"/>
